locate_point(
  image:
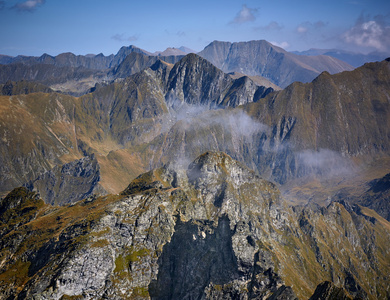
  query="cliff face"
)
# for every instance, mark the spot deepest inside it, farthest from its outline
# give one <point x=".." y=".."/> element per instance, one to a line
<point x="213" y="231"/>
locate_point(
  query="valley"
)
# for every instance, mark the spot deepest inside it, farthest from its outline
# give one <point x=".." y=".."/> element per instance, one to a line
<point x="243" y="171"/>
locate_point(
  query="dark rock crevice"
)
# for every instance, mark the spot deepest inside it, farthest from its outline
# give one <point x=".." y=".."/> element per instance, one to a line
<point x="197" y="255"/>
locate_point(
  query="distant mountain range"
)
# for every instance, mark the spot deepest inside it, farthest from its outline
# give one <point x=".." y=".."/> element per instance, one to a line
<point x="352" y="58"/>
<point x="266" y="60"/>
<point x="254" y="58"/>
<point x="194" y="176"/>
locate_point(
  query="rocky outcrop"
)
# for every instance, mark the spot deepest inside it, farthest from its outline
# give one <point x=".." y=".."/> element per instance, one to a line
<point x="377" y="197"/>
<point x="69" y="183"/>
<point x="213" y="231"/>
<point x="328" y="291"/>
<point x="196" y="81"/>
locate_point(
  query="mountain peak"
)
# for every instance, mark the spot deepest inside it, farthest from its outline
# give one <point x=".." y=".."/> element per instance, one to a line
<point x="172" y="51"/>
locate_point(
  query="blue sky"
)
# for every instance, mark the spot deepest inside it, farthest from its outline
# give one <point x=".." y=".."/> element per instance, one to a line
<point x="34" y="27"/>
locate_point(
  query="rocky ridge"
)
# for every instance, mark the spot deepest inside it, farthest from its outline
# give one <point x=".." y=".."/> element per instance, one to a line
<point x="130" y="111"/>
<point x="213" y="231"/>
<point x="266" y="60"/>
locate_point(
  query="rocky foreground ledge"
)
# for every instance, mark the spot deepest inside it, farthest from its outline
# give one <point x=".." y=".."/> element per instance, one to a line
<point x="213" y="231"/>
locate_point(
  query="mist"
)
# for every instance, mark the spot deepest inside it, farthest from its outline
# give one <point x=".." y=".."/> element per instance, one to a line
<point x="325" y="162"/>
<point x="197" y="129"/>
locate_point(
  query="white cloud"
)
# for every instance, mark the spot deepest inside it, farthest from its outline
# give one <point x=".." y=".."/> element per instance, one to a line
<point x="29" y="5"/>
<point x="246" y="14"/>
<point x="369" y="33"/>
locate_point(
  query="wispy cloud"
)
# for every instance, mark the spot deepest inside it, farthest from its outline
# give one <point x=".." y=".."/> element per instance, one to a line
<point x="122" y="38"/>
<point x="371" y="33"/>
<point x="246" y="14"/>
<point x="29" y="5"/>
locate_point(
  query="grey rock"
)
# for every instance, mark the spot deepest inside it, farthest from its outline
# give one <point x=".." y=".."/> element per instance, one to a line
<point x="69" y="183"/>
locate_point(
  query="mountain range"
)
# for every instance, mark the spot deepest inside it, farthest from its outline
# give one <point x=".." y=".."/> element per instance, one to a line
<point x="272" y="63"/>
<point x="352" y="58"/>
<point x="243" y="171"/>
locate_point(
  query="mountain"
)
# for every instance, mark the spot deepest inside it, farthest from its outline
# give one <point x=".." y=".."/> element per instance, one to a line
<point x="312" y="130"/>
<point x="36" y="130"/>
<point x="172" y="51"/>
<point x="58" y="129"/>
<point x="377" y="197"/>
<point x="328" y="128"/>
<point x="23" y="87"/>
<point x="352" y="58"/>
<point x="90" y="61"/>
<point x="72" y="182"/>
<point x="213" y="230"/>
<point x="259" y="80"/>
<point x="266" y="60"/>
<point x="94" y="62"/>
<point x="196" y="81"/>
<point x="5" y="59"/>
<point x="70" y="80"/>
<point x="187" y="50"/>
<point x="70" y="74"/>
<point x="155" y="184"/>
<point x="136" y="62"/>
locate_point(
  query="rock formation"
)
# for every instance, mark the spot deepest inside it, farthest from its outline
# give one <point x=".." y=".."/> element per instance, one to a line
<point x="213" y="231"/>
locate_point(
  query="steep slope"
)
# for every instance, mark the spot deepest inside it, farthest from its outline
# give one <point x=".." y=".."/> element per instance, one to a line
<point x="323" y="129"/>
<point x="215" y="230"/>
<point x="23" y="87"/>
<point x="377" y="197"/>
<point x="69" y="183"/>
<point x="273" y="63"/>
<point x="125" y="113"/>
<point x="136" y="62"/>
<point x="140" y="105"/>
<point x="320" y="125"/>
<point x="36" y="130"/>
<point x="196" y="81"/>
